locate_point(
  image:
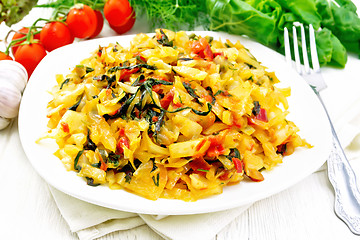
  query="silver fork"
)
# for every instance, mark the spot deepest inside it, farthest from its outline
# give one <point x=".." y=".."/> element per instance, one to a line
<point x="340" y="173"/>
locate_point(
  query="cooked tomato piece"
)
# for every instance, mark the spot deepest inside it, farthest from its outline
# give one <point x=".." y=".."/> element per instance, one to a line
<point x="216" y="148"/>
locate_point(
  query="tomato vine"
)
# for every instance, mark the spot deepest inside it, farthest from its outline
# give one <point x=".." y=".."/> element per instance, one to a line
<point x="70" y="19"/>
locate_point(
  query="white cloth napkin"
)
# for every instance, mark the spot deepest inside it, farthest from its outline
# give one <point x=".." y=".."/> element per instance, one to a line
<point x="90" y="221"/>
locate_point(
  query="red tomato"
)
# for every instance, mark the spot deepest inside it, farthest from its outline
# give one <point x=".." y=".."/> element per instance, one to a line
<point x="54" y="35"/>
<point x="4" y="56"/>
<point x="29" y="55"/>
<point x="126" y="27"/>
<point x="81" y="20"/>
<point x="99" y="23"/>
<point x="117" y="12"/>
<point x="20" y="34"/>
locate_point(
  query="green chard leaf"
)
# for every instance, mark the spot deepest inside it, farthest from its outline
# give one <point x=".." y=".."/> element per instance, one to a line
<point x="66" y="81"/>
<point x="76" y="160"/>
<point x="74" y="107"/>
<point x="239" y="17"/>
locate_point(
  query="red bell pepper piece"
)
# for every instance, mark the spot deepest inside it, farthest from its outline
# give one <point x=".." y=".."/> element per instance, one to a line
<point x="208" y="53"/>
<point x="167" y="99"/>
<point x="262" y="116"/>
<point x="65" y="127"/>
<point x="140" y="57"/>
<point x="218" y="54"/>
<point x="103" y="165"/>
<point x="126" y="73"/>
<point x="238" y="165"/>
<point x="123" y="141"/>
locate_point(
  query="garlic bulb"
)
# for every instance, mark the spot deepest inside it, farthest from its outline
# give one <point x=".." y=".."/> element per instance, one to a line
<point x="13" y="79"/>
<point x="13" y="73"/>
<point x="10" y="98"/>
<point x="4" y="122"/>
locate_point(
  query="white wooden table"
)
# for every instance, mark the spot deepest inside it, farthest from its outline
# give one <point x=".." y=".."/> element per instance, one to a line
<point x="304" y="211"/>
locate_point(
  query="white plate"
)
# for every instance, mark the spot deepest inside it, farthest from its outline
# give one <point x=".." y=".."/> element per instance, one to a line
<point x="305" y="111"/>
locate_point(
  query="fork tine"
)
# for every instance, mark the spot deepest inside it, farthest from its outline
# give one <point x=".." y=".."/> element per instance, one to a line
<point x="287" y="46"/>
<point x="304" y="49"/>
<point x="296" y="51"/>
<point x="314" y="56"/>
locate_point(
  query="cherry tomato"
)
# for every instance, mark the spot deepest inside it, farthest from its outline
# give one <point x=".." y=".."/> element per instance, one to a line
<point x="117" y="12"/>
<point x="54" y="35"/>
<point x="20" y="34"/>
<point x="4" y="56"/>
<point x="126" y="27"/>
<point x="99" y="23"/>
<point x="29" y="55"/>
<point x="81" y="21"/>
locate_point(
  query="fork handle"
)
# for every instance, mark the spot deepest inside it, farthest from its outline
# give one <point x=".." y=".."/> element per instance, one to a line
<point x="347" y="195"/>
<point x="343" y="180"/>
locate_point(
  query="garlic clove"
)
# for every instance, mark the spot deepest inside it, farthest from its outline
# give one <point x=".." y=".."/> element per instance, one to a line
<point x="10" y="98"/>
<point x="4" y="122"/>
<point x="14" y="73"/>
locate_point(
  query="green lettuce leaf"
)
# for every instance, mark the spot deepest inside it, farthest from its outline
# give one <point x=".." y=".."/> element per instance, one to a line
<point x="342" y="21"/>
<point x="330" y="50"/>
<point x="347" y="4"/>
<point x="305" y="10"/>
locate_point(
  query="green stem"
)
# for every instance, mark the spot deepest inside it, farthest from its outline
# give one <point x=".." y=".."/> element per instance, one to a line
<point x="60" y="10"/>
<point x="25" y="37"/>
<point x="33" y="26"/>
